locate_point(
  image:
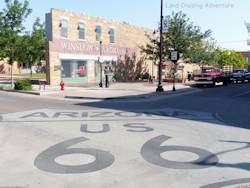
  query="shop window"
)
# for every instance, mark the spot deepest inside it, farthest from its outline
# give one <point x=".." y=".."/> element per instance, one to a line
<point x="74" y="69"/>
<point x="81" y="31"/>
<point x="64" y="28"/>
<point x="98" y="31"/>
<point x="112" y="35"/>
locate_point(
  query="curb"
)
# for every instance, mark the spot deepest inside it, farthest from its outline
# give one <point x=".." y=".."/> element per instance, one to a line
<point x="106" y="98"/>
<point x="153" y="96"/>
<point x="149" y="97"/>
<point x="38" y="93"/>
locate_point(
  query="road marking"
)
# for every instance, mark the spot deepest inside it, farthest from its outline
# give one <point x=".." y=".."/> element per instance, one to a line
<point x="150" y="147"/>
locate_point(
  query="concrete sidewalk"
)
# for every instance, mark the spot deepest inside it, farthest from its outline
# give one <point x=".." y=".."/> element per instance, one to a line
<point x="140" y="90"/>
<point x="116" y="90"/>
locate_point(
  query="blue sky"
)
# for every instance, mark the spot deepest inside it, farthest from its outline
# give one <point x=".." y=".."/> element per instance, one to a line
<point x="224" y="17"/>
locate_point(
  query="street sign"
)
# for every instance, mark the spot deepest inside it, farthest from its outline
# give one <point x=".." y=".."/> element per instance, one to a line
<point x="165" y="25"/>
<point x="174" y="56"/>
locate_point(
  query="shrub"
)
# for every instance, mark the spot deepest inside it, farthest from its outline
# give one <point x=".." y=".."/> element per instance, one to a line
<point x="23" y="85"/>
<point x="129" y="68"/>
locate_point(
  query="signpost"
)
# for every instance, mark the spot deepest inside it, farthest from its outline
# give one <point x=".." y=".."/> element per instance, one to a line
<point x="100" y="59"/>
<point x="174" y="57"/>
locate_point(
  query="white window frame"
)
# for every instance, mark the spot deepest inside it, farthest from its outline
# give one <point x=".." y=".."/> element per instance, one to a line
<point x="114" y="35"/>
<point x="84" y="28"/>
<point x="101" y="27"/>
<point x="61" y="27"/>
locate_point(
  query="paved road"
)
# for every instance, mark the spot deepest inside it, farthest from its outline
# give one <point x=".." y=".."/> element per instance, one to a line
<point x="231" y="104"/>
<point x="191" y="141"/>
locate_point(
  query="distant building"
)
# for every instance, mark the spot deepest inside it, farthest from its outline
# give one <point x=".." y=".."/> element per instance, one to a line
<point x="78" y="43"/>
<point x="5" y="68"/>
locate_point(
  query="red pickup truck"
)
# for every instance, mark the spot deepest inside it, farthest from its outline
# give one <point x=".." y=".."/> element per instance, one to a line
<point x="210" y="76"/>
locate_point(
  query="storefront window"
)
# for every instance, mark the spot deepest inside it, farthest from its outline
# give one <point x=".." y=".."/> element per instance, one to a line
<point x="81" y="30"/>
<point x="74" y="70"/>
<point x="98" y="31"/>
<point x="112" y="35"/>
<point x="64" y="28"/>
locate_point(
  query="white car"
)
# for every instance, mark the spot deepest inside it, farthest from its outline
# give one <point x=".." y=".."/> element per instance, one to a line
<point x="239" y="75"/>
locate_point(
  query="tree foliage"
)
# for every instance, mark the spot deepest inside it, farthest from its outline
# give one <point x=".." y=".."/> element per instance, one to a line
<point x="16" y="45"/>
<point x="193" y="44"/>
<point x="183" y="34"/>
<point x="11" y="25"/>
<point x="203" y="53"/>
<point x="231" y="58"/>
<point x="31" y="46"/>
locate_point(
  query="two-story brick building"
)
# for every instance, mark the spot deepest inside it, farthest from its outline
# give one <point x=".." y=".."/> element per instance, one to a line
<point x="78" y="45"/>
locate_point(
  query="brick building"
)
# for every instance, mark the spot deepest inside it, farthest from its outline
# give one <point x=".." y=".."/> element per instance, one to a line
<point x="78" y="43"/>
<point x="5" y="68"/>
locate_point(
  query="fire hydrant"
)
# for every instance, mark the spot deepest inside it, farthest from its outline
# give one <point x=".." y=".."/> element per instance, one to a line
<point x="62" y="85"/>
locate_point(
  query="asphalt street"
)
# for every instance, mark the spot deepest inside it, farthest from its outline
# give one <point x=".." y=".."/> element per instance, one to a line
<point x="195" y="140"/>
<point x="231" y="104"/>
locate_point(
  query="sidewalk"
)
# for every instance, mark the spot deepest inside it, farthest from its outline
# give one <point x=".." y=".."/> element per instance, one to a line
<point x="116" y="90"/>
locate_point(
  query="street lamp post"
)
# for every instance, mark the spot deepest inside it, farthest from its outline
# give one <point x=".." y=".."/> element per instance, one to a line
<point x="154" y="37"/>
<point x="160" y="88"/>
<point x="174" y="89"/>
<point x="100" y="63"/>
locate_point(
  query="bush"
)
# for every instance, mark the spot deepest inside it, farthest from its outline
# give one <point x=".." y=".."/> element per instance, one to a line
<point x="23" y="85"/>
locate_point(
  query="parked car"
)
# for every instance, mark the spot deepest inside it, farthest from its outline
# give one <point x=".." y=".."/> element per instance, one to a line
<point x="239" y="75"/>
<point x="247" y="76"/>
<point x="210" y="76"/>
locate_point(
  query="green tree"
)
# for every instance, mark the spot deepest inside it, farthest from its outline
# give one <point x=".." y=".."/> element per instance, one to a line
<point x="231" y="58"/>
<point x="203" y="53"/>
<point x="39" y="40"/>
<point x="31" y="47"/>
<point x="11" y="26"/>
<point x="182" y="35"/>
